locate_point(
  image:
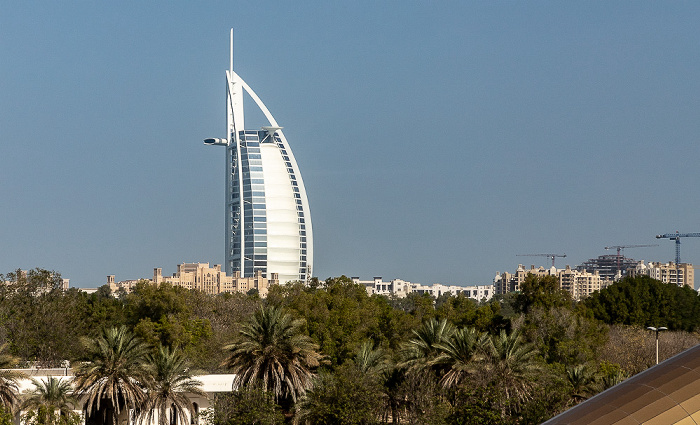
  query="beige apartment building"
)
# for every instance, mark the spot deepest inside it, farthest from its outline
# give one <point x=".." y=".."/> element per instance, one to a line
<point x="666" y="272"/>
<point x="579" y="284"/>
<point x="202" y="277"/>
<point x="510" y="282"/>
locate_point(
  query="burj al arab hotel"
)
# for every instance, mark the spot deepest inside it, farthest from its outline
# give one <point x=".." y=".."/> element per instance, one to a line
<point x="268" y="226"/>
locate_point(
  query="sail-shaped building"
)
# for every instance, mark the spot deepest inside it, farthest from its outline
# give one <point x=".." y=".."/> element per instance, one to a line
<point x="268" y="226"/>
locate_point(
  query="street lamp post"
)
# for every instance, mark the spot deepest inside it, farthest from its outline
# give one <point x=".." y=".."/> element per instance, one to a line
<point x="657" y="330"/>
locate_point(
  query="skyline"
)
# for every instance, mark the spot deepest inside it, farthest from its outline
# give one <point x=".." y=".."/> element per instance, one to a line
<point x="437" y="142"/>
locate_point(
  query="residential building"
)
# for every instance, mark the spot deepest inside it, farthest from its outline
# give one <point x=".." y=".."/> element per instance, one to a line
<point x="683" y="274"/>
<point x="579" y="284"/>
<point x="201" y="277"/>
<point x="124" y="285"/>
<point x="510" y="282"/>
<point x="51" y="281"/>
<point x="268" y="224"/>
<point x="397" y="287"/>
<point x="401" y="288"/>
<point x="477" y="292"/>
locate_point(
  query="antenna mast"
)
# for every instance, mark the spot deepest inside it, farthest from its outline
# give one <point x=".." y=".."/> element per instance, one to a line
<point x="230" y="65"/>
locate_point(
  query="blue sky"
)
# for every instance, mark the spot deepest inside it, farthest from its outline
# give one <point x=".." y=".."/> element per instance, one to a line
<point x="437" y="140"/>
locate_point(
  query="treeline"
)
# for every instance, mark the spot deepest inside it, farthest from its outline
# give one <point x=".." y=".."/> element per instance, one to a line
<point x="519" y="358"/>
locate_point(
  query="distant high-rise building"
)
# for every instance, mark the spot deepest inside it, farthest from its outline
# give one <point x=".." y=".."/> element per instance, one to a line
<point x="268" y="226"/>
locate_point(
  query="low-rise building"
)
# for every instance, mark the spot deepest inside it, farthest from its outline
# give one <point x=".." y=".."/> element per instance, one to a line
<point x="47" y="282"/>
<point x="477" y="292"/>
<point x="199" y="276"/>
<point x="401" y="288"/>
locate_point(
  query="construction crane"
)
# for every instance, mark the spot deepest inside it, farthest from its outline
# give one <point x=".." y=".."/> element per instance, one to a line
<point x="619" y="248"/>
<point x="552" y="256"/>
<point x="677" y="237"/>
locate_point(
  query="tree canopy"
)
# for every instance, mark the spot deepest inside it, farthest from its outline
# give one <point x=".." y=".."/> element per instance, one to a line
<point x="339" y="354"/>
<point x="643" y="301"/>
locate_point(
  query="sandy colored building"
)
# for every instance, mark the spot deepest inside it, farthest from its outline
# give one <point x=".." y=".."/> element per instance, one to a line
<point x="578" y="283"/>
<point x="202" y="277"/>
<point x="510" y="282"/>
<point x="666" y="272"/>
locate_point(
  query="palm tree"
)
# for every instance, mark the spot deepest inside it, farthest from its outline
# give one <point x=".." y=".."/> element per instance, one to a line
<point x="114" y="377"/>
<point x="272" y="353"/>
<point x="370" y="360"/>
<point x="422" y="348"/>
<point x="459" y="355"/>
<point x="172" y="381"/>
<point x="50" y="397"/>
<point x="9" y="392"/>
<point x="582" y="381"/>
<point x="392" y="380"/>
<point x="513" y="363"/>
<point x="613" y="377"/>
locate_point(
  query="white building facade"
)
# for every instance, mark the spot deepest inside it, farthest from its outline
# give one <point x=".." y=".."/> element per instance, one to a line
<point x="401" y="288"/>
<point x="268" y="225"/>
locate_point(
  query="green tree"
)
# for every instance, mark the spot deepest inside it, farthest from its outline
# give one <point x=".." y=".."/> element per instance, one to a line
<point x="370" y="360"/>
<point x="35" y="281"/>
<point x="340" y="315"/>
<point x="271" y="353"/>
<point x="541" y="292"/>
<point x="42" y="325"/>
<point x="420" y="350"/>
<point x="171" y="382"/>
<point x="245" y="406"/>
<point x="424" y="401"/>
<point x="643" y="301"/>
<point x="8" y="381"/>
<point x="114" y="377"/>
<point x="51" y="402"/>
<point x="343" y="398"/>
<point x="5" y="417"/>
<point x="513" y="365"/>
<point x="392" y="381"/>
<point x="420" y="306"/>
<point x="563" y="335"/>
<point x="475" y="406"/>
<point x="461" y="355"/>
<point x="612" y="374"/>
<point x="582" y="382"/>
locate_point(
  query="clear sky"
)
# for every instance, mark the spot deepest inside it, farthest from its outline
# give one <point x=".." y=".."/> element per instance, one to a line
<point x="437" y="140"/>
